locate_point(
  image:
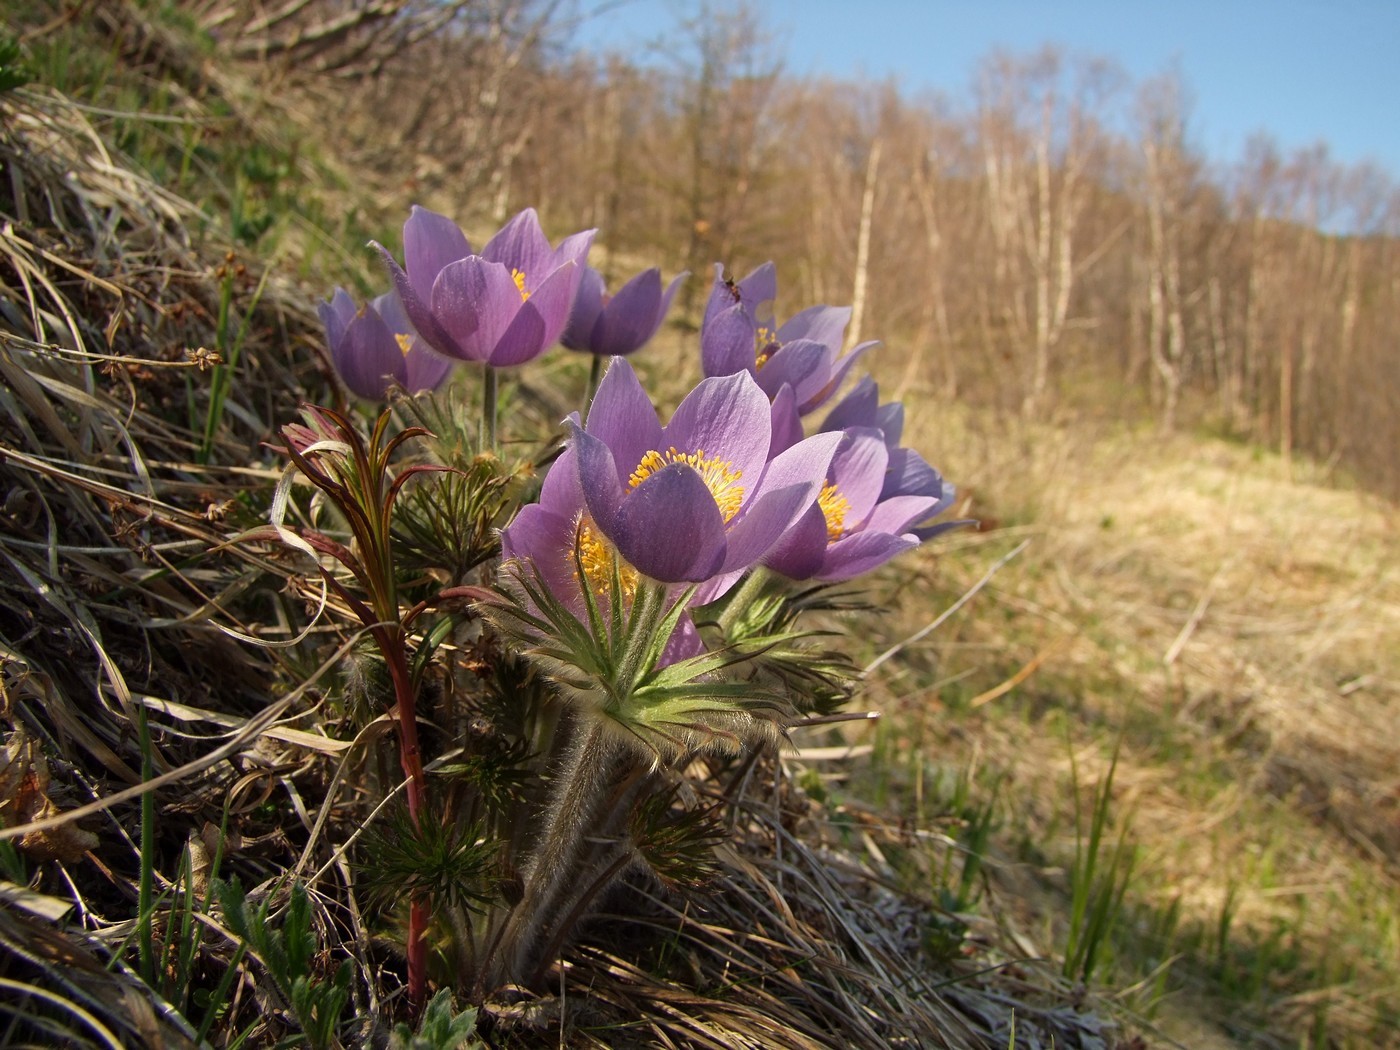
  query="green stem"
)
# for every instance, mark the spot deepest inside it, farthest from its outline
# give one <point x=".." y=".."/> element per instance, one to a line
<point x="739" y="600"/>
<point x="488" y="409"/>
<point x="595" y="376"/>
<point x="592" y="795"/>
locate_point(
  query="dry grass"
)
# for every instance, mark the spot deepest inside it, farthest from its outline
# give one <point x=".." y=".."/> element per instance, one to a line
<point x="120" y="594"/>
<point x="1241" y="631"/>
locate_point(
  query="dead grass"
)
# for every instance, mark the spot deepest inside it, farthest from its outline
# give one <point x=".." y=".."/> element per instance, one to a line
<point x="1241" y="630"/>
<point x="120" y="596"/>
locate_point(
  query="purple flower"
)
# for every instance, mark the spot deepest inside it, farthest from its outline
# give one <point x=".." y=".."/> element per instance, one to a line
<point x="375" y="346"/>
<point x="697" y="500"/>
<point x="503" y="307"/>
<point x="854" y="525"/>
<point x="559" y="544"/>
<point x="906" y="473"/>
<point x="618" y="324"/>
<point x="738" y="335"/>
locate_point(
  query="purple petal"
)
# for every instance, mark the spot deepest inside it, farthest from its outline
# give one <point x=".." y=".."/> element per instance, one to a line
<point x="561" y="492"/>
<point x="632" y="317"/>
<point x="758" y="291"/>
<point x="890" y="419"/>
<point x="419" y="311"/>
<point x="390" y="307"/>
<point x="552" y="298"/>
<point x="426" y="367"/>
<point x="525" y="338"/>
<point x="787" y="424"/>
<point x="585" y="313"/>
<point x="728" y="417"/>
<point x="858" y="472"/>
<point x="824" y="324"/>
<point x="800" y="553"/>
<point x="476" y="301"/>
<point x="727" y="343"/>
<point x="852" y="555"/>
<point x="790" y="485"/>
<point x="723" y="296"/>
<point x="603" y="490"/>
<point x="717" y="586"/>
<point x="856" y="409"/>
<point x="669" y="527"/>
<point x="368" y="356"/>
<point x="836" y="377"/>
<point x="546" y="540"/>
<point x="572" y="249"/>
<point x="430" y="242"/>
<point x="671" y="290"/>
<point x="910" y="475"/>
<point x="336" y="314"/>
<point x="900" y="513"/>
<point x="804" y="365"/>
<point x="521" y="245"/>
<point x="621" y="417"/>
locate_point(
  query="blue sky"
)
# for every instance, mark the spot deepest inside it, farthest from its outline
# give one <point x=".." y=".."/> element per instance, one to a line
<point x="1302" y="70"/>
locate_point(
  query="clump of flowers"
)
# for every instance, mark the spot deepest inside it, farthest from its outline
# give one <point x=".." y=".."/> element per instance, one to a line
<point x="641" y="612"/>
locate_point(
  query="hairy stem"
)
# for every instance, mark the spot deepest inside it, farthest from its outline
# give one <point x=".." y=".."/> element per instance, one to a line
<point x="593" y="796"/>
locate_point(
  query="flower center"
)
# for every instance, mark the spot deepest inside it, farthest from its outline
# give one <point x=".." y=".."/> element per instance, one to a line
<point x="719" y="476"/>
<point x="405" y="342"/>
<point x="598" y="559"/>
<point x="519" y="278"/>
<point x="834" y="508"/>
<point x="766" y="344"/>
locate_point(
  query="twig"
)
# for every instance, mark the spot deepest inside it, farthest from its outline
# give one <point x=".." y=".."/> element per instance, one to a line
<point x="967" y="596"/>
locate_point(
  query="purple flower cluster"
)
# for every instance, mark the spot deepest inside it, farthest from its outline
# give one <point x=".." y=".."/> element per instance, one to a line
<point x="501" y="308"/>
<point x="734" y="480"/>
<point x="742" y="476"/>
<point x="877" y="497"/>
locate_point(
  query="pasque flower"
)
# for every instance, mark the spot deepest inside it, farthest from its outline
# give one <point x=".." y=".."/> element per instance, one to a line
<point x="853" y="527"/>
<point x="804" y="352"/>
<point x="878" y="499"/>
<point x="622" y="323"/>
<point x="557" y="543"/>
<point x="503" y="307"/>
<point x="696" y="500"/>
<point x="375" y="346"/>
<point x="907" y="473"/>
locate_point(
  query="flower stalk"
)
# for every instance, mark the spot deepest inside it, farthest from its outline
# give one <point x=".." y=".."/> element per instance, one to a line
<point x="356" y="476"/>
<point x="583" y="844"/>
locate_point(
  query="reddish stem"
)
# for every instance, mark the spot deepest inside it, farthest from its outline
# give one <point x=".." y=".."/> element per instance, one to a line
<point x="411" y="757"/>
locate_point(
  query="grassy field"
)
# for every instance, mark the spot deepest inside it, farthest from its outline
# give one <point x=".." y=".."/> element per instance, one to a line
<point x="1231" y="635"/>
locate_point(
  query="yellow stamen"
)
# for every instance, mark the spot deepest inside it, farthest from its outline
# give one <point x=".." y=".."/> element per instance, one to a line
<point x="834" y="508"/>
<point x="405" y="342"/>
<point x="719" y="476"/>
<point x="519" y="279"/>
<point x="766" y="343"/>
<point x="598" y="558"/>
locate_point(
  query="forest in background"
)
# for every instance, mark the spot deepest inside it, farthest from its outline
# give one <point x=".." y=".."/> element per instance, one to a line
<point x="1050" y="243"/>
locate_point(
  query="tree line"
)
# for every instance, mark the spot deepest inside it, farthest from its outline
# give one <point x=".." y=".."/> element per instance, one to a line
<point x="1050" y="242"/>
